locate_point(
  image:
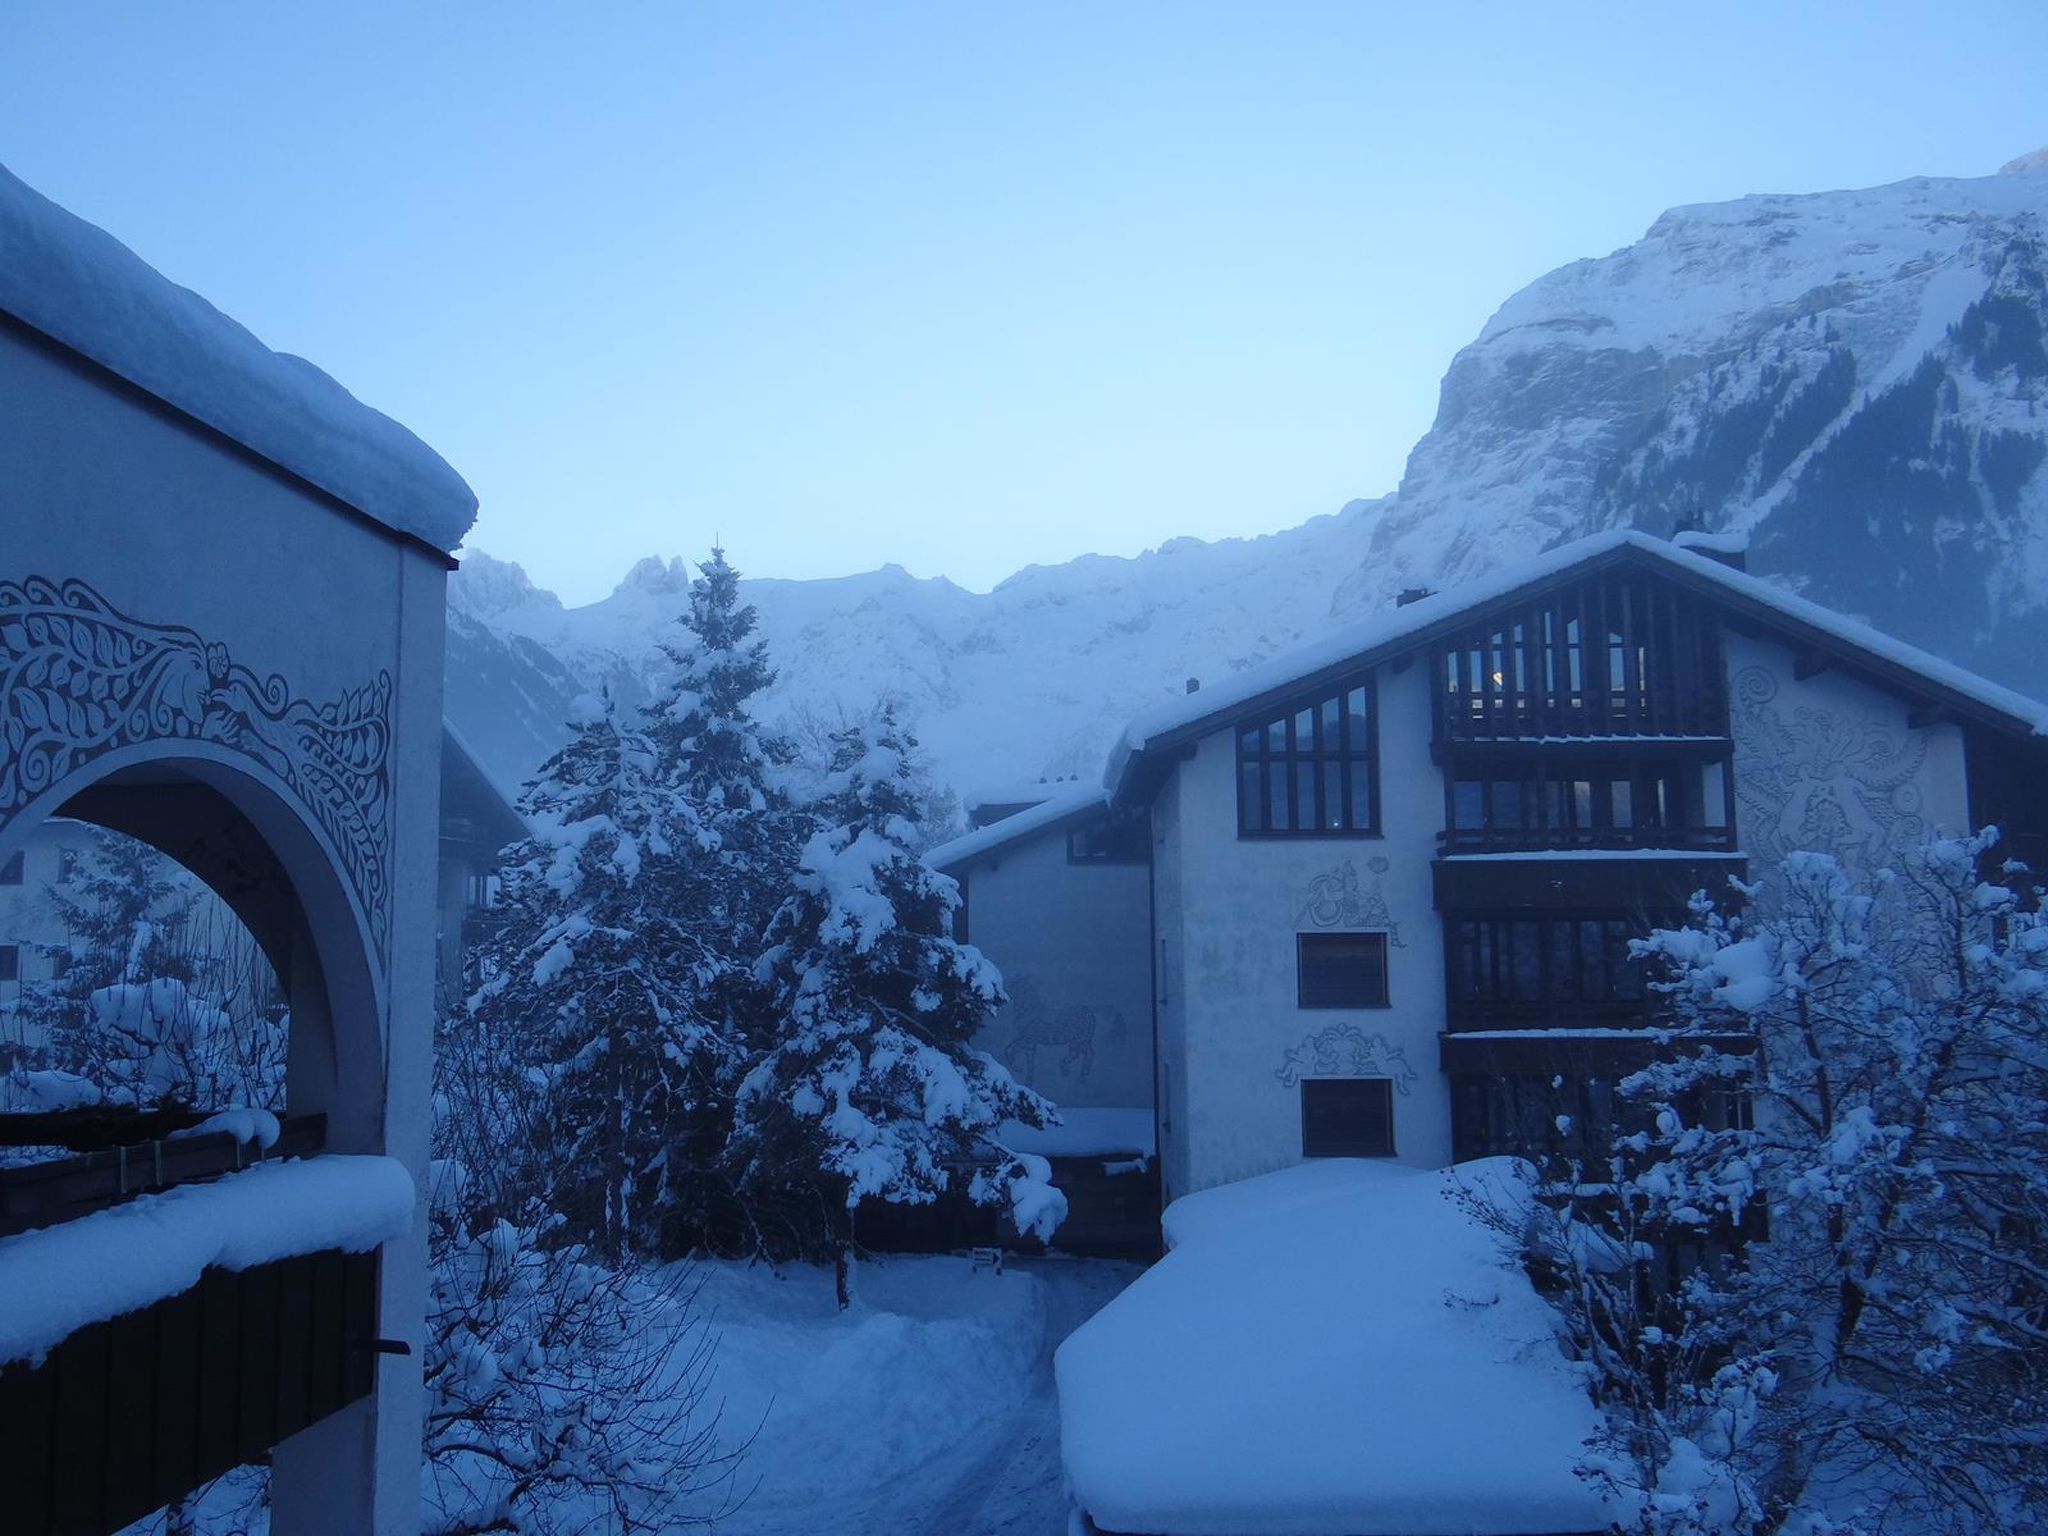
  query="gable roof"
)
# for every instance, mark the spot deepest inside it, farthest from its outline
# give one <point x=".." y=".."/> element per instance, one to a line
<point x="74" y="284"/>
<point x="1075" y="802"/>
<point x="1892" y="663"/>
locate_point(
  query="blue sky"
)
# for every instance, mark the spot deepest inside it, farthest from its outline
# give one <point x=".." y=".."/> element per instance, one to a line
<point x="960" y="286"/>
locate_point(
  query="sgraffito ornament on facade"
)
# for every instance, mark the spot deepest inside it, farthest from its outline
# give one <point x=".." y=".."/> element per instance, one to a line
<point x="1337" y="898"/>
<point x="1842" y="781"/>
<point x="1069" y="1029"/>
<point x="80" y="679"/>
<point x="1345" y="1050"/>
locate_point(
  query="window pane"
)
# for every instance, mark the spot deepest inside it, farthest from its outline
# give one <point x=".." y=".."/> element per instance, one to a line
<point x="1347" y="1117"/>
<point x="1625" y="979"/>
<point x="1468" y="804"/>
<point x="1330" y="720"/>
<point x="1361" y="794"/>
<point x="1562" y="972"/>
<point x="1506" y="798"/>
<point x="1333" y="794"/>
<point x="1249" y="741"/>
<point x="1304" y="730"/>
<point x="10" y="872"/>
<point x="1359" y="723"/>
<point x="1342" y="970"/>
<point x="1592" y="962"/>
<point x="1623" y="802"/>
<point x="1276" y="797"/>
<point x="1525" y="960"/>
<point x="1248" y="800"/>
<point x="1713" y="799"/>
<point x="1475" y="963"/>
<point x="10" y="962"/>
<point x="1582" y="804"/>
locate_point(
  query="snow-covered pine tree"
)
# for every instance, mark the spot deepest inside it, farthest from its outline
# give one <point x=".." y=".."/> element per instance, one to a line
<point x="1875" y="1358"/>
<point x="730" y="875"/>
<point x="873" y="1088"/>
<point x="597" y="978"/>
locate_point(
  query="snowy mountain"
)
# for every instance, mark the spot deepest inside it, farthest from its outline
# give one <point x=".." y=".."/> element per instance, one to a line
<point x="1854" y="379"/>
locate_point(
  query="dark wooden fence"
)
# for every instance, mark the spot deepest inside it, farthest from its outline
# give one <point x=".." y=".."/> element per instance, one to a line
<point x="125" y="1416"/>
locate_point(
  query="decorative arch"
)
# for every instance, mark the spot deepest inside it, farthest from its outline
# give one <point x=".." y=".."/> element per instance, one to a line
<point x="282" y="806"/>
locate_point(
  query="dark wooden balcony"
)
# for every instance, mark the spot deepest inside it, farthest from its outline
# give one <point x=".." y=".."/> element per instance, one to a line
<point x="123" y="1416"/>
<point x="1679" y="840"/>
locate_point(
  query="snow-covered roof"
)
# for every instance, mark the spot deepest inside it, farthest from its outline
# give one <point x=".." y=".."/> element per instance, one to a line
<point x="1035" y="793"/>
<point x="1340" y="1346"/>
<point x="1394" y="631"/>
<point x="1073" y="801"/>
<point x="78" y="285"/>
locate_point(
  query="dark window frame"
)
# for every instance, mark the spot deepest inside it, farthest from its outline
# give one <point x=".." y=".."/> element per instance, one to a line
<point x="1311" y="1120"/>
<point x="10" y="962"/>
<point x="1270" y="754"/>
<point x="14" y="871"/>
<point x="1304" y="942"/>
<point x="1124" y="839"/>
<point x="1630" y="801"/>
<point x="1530" y="968"/>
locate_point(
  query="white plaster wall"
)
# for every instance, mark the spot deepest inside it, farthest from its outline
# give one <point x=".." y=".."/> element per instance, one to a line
<point x="171" y="527"/>
<point x="1071" y="942"/>
<point x="1241" y="903"/>
<point x="1168" y="946"/>
<point x="1831" y="764"/>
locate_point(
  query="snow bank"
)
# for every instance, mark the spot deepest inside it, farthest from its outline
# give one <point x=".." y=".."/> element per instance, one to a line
<point x="58" y="1279"/>
<point x="79" y="284"/>
<point x="1085" y="1133"/>
<point x="860" y="1419"/>
<point x="1337" y="1348"/>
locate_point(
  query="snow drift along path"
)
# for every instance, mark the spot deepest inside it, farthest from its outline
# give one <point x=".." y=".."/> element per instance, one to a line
<point x="926" y="1409"/>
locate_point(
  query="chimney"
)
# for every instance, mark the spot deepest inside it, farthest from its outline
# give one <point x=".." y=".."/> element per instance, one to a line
<point x="1194" y="685"/>
<point x="1413" y="595"/>
<point x="1729" y="549"/>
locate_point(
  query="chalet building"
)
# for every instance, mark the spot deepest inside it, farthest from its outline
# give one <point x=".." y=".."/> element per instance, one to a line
<point x="222" y="602"/>
<point x="1374" y="898"/>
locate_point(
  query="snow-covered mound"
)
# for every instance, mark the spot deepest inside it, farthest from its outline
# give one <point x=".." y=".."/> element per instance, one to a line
<point x="1856" y="382"/>
<point x="1337" y="1348"/>
<point x="75" y="282"/>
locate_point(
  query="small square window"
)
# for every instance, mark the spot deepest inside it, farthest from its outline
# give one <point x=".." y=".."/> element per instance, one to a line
<point x="1342" y="970"/>
<point x="10" y="872"/>
<point x="60" y="964"/>
<point x="1347" y="1117"/>
<point x="10" y="962"/>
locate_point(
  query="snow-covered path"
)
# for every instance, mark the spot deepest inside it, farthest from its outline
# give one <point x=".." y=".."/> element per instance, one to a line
<point x="927" y="1409"/>
<point x="1018" y="1489"/>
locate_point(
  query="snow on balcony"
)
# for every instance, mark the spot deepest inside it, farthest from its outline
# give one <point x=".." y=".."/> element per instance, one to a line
<point x="58" y="1279"/>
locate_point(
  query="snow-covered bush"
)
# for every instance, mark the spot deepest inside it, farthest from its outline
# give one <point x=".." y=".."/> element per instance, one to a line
<point x="869" y="1086"/>
<point x="564" y="1393"/>
<point x="1862" y="1342"/>
<point x="164" y="998"/>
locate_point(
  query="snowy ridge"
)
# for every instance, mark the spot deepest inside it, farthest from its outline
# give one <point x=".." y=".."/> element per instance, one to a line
<point x="75" y="282"/>
<point x="1853" y="384"/>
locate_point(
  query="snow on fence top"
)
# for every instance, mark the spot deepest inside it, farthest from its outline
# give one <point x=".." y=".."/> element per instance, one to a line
<point x="1337" y="1347"/>
<point x="59" y="1279"/>
<point x="76" y="283"/>
<point x="1387" y="631"/>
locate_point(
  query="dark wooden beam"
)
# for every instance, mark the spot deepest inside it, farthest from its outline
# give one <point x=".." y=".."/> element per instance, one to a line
<point x="1928" y="712"/>
<point x="1810" y="664"/>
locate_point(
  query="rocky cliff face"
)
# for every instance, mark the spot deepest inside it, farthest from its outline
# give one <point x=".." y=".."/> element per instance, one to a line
<point x="1857" y="380"/>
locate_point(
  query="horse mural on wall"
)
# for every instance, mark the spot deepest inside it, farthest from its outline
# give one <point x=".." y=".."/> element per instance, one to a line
<point x="1069" y="1028"/>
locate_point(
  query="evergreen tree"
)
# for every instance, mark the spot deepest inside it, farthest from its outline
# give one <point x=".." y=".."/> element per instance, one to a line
<point x="597" y="978"/>
<point x="713" y="756"/>
<point x="872" y="1088"/>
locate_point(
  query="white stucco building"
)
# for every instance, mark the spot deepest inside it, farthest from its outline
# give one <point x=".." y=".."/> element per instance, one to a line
<point x="222" y="586"/>
<point x="1373" y="898"/>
